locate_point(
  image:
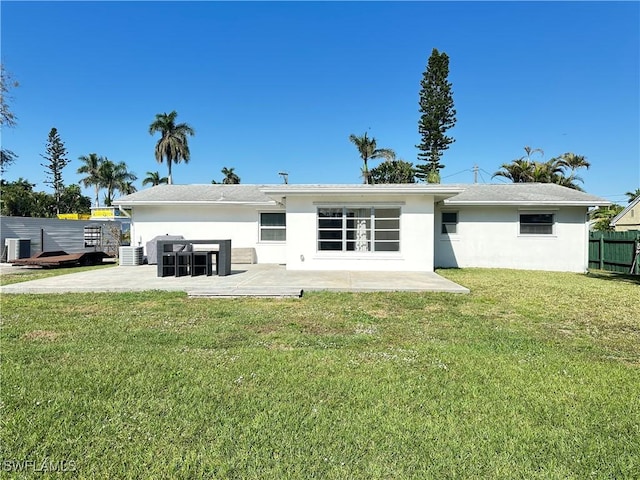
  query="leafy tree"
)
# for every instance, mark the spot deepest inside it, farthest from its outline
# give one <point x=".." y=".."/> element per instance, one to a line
<point x="368" y="149"/>
<point x="173" y="145"/>
<point x="44" y="205"/>
<point x="72" y="200"/>
<point x="91" y="168"/>
<point x="602" y="217"/>
<point x="437" y="116"/>
<point x="17" y="198"/>
<point x="154" y="179"/>
<point x="230" y="178"/>
<point x="7" y="117"/>
<point x="114" y="177"/>
<point x="394" y="171"/>
<point x="633" y="195"/>
<point x="56" y="156"/>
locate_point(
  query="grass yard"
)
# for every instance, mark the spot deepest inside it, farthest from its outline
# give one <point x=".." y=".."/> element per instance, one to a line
<point x="532" y="375"/>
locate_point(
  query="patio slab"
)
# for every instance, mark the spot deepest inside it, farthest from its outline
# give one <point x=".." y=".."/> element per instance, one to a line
<point x="243" y="278"/>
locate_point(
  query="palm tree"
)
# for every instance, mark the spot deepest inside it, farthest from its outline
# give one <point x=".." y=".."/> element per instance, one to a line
<point x="154" y="179"/>
<point x="91" y="168"/>
<point x="602" y="217"/>
<point x="230" y="178"/>
<point x="368" y="150"/>
<point x="115" y="176"/>
<point x="525" y="170"/>
<point x="529" y="151"/>
<point x="573" y="161"/>
<point x="172" y="145"/>
<point x="127" y="187"/>
<point x="633" y="195"/>
<point x="518" y="171"/>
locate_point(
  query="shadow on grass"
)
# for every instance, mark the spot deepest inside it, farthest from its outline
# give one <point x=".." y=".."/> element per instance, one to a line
<point x="614" y="276"/>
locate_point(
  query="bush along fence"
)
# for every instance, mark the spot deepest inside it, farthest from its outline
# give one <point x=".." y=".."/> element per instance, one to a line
<point x="615" y="251"/>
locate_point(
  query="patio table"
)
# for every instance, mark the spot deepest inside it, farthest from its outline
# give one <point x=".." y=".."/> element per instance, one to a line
<point x="223" y="254"/>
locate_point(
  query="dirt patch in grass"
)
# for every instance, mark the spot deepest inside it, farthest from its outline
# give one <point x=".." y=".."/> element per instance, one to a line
<point x="46" y="335"/>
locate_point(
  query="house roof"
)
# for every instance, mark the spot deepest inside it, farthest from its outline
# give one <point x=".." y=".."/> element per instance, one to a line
<point x="626" y="210"/>
<point x="198" y="194"/>
<point x="526" y="194"/>
<point x="358" y="189"/>
<point x="531" y="194"/>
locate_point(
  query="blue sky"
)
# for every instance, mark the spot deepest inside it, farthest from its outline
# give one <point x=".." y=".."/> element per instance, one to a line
<point x="272" y="86"/>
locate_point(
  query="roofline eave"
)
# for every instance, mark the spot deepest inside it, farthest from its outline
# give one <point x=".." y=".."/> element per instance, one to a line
<point x="370" y="190"/>
<point x="523" y="203"/>
<point x="134" y="203"/>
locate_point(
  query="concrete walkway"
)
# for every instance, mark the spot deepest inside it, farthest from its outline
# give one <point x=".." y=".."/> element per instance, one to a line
<point x="245" y="280"/>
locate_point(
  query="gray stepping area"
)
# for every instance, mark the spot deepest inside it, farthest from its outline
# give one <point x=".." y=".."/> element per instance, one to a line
<point x="245" y="280"/>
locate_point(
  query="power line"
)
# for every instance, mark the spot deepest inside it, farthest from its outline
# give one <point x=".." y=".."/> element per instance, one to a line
<point x="458" y="173"/>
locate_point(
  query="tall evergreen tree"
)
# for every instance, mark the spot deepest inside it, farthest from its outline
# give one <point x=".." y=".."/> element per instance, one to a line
<point x="7" y="118"/>
<point x="438" y="116"/>
<point x="56" y="156"/>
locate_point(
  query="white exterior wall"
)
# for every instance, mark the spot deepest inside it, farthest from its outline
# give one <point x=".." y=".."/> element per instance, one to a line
<point x="416" y="235"/>
<point x="488" y="236"/>
<point x="194" y="222"/>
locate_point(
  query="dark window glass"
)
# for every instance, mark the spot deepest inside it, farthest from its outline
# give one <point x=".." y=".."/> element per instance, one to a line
<point x="536" y="223"/>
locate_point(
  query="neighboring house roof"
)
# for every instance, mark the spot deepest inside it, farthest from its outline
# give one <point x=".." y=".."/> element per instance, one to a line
<point x="525" y="194"/>
<point x="198" y="194"/>
<point x="626" y="210"/>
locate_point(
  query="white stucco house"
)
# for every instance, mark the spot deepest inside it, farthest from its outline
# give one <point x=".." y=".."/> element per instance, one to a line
<point x="410" y="227"/>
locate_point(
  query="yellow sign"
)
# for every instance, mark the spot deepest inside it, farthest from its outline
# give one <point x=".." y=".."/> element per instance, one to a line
<point x="102" y="212"/>
<point x="74" y="216"/>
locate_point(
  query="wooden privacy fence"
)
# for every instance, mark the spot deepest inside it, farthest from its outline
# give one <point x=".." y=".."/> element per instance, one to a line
<point x="615" y="251"/>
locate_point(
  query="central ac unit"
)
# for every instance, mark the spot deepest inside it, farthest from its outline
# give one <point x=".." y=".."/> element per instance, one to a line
<point x="130" y="256"/>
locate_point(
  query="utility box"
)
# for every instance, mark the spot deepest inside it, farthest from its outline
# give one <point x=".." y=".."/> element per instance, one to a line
<point x="17" y="248"/>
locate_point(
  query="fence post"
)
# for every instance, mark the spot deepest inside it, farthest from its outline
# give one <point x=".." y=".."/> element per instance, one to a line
<point x="601" y="252"/>
<point x="636" y="252"/>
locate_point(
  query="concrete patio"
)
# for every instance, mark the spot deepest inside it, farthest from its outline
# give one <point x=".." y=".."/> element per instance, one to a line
<point x="245" y="280"/>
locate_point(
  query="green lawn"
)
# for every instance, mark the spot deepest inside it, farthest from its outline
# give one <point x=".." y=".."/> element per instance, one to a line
<point x="532" y="375"/>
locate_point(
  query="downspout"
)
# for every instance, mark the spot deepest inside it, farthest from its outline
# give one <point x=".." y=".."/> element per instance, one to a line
<point x="126" y="214"/>
<point x="586" y="242"/>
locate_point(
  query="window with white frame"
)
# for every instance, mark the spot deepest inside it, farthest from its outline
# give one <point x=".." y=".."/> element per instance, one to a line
<point x="536" y="223"/>
<point x="273" y="227"/>
<point x="359" y="229"/>
<point x="449" y="222"/>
